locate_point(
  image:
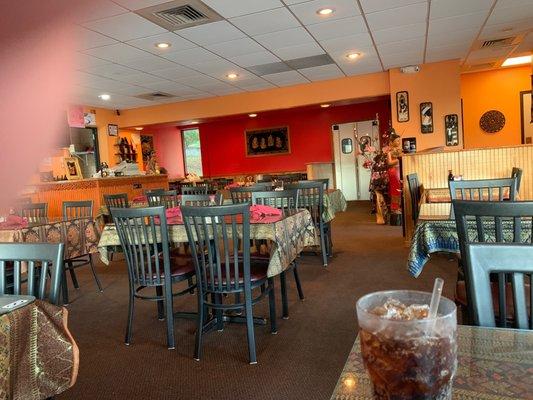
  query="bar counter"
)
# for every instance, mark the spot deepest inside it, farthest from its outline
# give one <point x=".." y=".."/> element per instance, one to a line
<point x="54" y="193"/>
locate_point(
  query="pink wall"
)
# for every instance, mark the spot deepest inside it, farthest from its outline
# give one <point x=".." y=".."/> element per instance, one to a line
<point x="168" y="145"/>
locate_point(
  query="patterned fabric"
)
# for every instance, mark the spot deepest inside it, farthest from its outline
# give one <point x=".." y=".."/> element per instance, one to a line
<point x="289" y="235"/>
<point x="334" y="202"/>
<point x="493" y="364"/>
<point x="442" y="195"/>
<point x="80" y="236"/>
<point x="441" y="236"/>
<point x="39" y="358"/>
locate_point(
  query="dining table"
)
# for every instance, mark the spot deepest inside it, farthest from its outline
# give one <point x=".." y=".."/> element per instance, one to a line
<point x="288" y="234"/>
<point x="334" y="202"/>
<point x="38" y="356"/>
<point x="492" y="364"/>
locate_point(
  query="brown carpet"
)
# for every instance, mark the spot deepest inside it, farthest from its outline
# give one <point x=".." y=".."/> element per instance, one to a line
<point x="303" y="361"/>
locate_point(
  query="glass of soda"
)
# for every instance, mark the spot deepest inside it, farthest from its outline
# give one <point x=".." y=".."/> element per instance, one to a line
<point x="407" y="354"/>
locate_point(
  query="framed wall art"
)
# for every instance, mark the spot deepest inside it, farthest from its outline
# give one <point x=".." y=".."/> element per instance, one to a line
<point x="426" y="117"/>
<point x="267" y="141"/>
<point x="72" y="168"/>
<point x="112" y="129"/>
<point x="451" y="129"/>
<point x="402" y="106"/>
<point x="409" y="145"/>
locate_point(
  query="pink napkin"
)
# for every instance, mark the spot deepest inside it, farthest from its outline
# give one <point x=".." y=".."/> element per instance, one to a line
<point x="14" y="221"/>
<point x="259" y="212"/>
<point x="139" y="199"/>
<point x="232" y="185"/>
<point x="174" y="212"/>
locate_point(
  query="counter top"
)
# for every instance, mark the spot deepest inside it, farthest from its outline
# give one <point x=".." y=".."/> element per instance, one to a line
<point x="106" y="179"/>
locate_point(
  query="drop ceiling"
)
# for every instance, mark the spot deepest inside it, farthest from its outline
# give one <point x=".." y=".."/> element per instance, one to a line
<point x="273" y="43"/>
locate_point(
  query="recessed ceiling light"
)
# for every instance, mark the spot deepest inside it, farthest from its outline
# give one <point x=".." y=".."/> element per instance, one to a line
<point x="163" y="45"/>
<point x="104" y="96"/>
<point x="253" y="115"/>
<point x="325" y="105"/>
<point x="517" y="61"/>
<point x="139" y="128"/>
<point x="352" y="56"/>
<point x="325" y="11"/>
<point x="232" y="75"/>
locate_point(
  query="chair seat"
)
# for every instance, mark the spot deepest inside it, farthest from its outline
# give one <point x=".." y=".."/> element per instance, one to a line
<point x="180" y="265"/>
<point x="258" y="272"/>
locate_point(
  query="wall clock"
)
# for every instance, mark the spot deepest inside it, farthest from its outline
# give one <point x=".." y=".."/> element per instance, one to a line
<point x="492" y="121"/>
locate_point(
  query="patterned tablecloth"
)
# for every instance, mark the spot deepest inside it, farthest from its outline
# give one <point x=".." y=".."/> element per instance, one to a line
<point x="38" y="356"/>
<point x="288" y="235"/>
<point x="80" y="235"/>
<point x="334" y="202"/>
<point x="493" y="364"/>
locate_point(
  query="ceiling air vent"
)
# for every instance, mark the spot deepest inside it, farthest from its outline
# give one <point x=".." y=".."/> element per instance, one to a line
<point x="497" y="42"/>
<point x="179" y="14"/>
<point x="155" y="96"/>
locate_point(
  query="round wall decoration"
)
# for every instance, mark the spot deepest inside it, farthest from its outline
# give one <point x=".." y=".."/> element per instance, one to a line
<point x="492" y="121"/>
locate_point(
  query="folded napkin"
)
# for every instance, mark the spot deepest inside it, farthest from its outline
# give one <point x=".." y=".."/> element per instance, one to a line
<point x="14" y="221"/>
<point x="140" y="199"/>
<point x="174" y="212"/>
<point x="259" y="211"/>
<point x="232" y="185"/>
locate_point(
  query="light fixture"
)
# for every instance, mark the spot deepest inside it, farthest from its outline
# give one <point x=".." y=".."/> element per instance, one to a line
<point x="193" y="122"/>
<point x="253" y="115"/>
<point x="163" y="45"/>
<point x="517" y="61"/>
<point x="104" y="96"/>
<point x="232" y="75"/>
<point x="139" y="128"/>
<point x="325" y="105"/>
<point x="352" y="56"/>
<point x="325" y="11"/>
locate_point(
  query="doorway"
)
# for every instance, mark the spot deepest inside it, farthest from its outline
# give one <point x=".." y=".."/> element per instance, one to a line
<point x="354" y="147"/>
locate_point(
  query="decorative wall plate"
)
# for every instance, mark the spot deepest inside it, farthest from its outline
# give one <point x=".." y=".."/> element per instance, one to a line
<point x="492" y="121"/>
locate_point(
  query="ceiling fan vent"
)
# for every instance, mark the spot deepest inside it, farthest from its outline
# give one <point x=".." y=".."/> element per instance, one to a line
<point x="155" y="96"/>
<point x="179" y="14"/>
<point x="497" y="42"/>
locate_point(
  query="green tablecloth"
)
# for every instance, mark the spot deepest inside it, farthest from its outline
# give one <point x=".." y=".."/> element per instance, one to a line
<point x="334" y="202"/>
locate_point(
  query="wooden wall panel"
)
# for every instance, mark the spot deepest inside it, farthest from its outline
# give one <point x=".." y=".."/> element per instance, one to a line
<point x="432" y="170"/>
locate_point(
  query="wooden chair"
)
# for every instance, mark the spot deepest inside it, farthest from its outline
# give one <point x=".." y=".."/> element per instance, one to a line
<point x="221" y="269"/>
<point x="44" y="261"/>
<point x="167" y="198"/>
<point x="199" y="189"/>
<point x="414" y="192"/>
<point x="287" y="201"/>
<point x="492" y="224"/>
<point x="150" y="264"/>
<point x="78" y="210"/>
<point x="34" y="212"/>
<point x="201" y="200"/>
<point x="517" y="174"/>
<point x="243" y="194"/>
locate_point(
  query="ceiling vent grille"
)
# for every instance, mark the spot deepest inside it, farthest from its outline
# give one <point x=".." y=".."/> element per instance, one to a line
<point x="497" y="43"/>
<point x="179" y="14"/>
<point x="155" y="96"/>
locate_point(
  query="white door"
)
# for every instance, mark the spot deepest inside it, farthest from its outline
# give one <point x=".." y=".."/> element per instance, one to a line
<point x="364" y="134"/>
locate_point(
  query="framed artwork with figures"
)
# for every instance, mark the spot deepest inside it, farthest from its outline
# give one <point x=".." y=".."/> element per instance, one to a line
<point x="426" y="117"/>
<point x="402" y="106"/>
<point x="267" y="141"/>
<point x="451" y="129"/>
<point x="72" y="168"/>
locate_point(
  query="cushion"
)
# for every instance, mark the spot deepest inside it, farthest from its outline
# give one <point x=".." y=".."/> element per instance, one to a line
<point x="180" y="265"/>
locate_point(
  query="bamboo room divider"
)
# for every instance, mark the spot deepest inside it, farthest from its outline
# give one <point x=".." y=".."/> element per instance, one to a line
<point x="432" y="170"/>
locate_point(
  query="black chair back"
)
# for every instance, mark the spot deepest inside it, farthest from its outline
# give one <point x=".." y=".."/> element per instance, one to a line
<point x="517" y="174"/>
<point x="199" y="189"/>
<point x="243" y="194"/>
<point x="414" y="192"/>
<point x="483" y="189"/>
<point x="168" y="199"/>
<point x="34" y="212"/>
<point x="201" y="200"/>
<point x="116" y="200"/>
<point x="285" y="200"/>
<point x="492" y="224"/>
<point x="77" y="209"/>
<point x="43" y="261"/>
<point x="324" y="181"/>
<point x="311" y="197"/>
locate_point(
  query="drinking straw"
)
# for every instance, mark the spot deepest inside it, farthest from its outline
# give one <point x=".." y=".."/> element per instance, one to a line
<point x="435" y="298"/>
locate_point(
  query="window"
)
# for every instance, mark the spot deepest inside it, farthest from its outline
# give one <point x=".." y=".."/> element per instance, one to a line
<point x="347" y="145"/>
<point x="192" y="154"/>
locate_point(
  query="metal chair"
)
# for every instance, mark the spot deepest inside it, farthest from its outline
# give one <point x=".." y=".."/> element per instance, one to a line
<point x="311" y="197"/>
<point x="199" y="189"/>
<point x="324" y="181"/>
<point x="201" y="199"/>
<point x="116" y="200"/>
<point x="287" y="201"/>
<point x="168" y="199"/>
<point x="414" y="192"/>
<point x="34" y="212"/>
<point x="44" y="261"/>
<point x="150" y="264"/>
<point x="221" y="269"/>
<point x="78" y="210"/>
<point x="492" y="224"/>
<point x="243" y="194"/>
<point x="483" y="189"/>
<point x="517" y="174"/>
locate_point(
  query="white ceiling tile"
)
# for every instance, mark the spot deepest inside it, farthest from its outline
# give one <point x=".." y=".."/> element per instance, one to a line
<point x="359" y="68"/>
<point x="299" y="51"/>
<point x="234" y="8"/>
<point x="258" y="86"/>
<point x="148" y="63"/>
<point x="176" y="42"/>
<point x="175" y="72"/>
<point x="104" y="9"/>
<point x="87" y="39"/>
<point x="141" y="78"/>
<point x="170" y="87"/>
<point x="125" y="27"/>
<point x="403" y="46"/>
<point x="449" y="8"/>
<point x="406" y="15"/>
<point x="214" y="32"/>
<point x="285" y="38"/>
<point x="370" y="6"/>
<point x="435" y="57"/>
<point x="452" y="38"/>
<point x="265" y="22"/>
<point x="289" y="2"/>
<point x="460" y="22"/>
<point x="119" y="52"/>
<point x="526" y="45"/>
<point x="200" y="81"/>
<point x="225" y="91"/>
<point x="235" y="48"/>
<point x="322" y="72"/>
<point x="83" y="61"/>
<point x="367" y="56"/>
<point x="192" y="56"/>
<point x="346" y="43"/>
<point x="97" y="82"/>
<point x="401" y="59"/>
<point x="111" y="71"/>
<point x="504" y="30"/>
<point x="510" y="14"/>
<point x="217" y="67"/>
<point x="133" y="90"/>
<point x="286" y="78"/>
<point x="307" y="12"/>
<point x="338" y="28"/>
<point x="139" y="4"/>
<point x="249" y="60"/>
<point x="489" y="53"/>
<point x="454" y="48"/>
<point x="405" y="32"/>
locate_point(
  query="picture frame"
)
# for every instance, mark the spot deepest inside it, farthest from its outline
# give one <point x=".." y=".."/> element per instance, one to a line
<point x="402" y="106"/>
<point x="409" y="145"/>
<point x="72" y="168"/>
<point x="426" y="117"/>
<point x="451" y="129"/>
<point x="267" y="141"/>
<point x="112" y="129"/>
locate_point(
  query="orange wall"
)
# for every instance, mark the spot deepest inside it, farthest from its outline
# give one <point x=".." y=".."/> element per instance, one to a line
<point x="494" y="90"/>
<point x="438" y="83"/>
